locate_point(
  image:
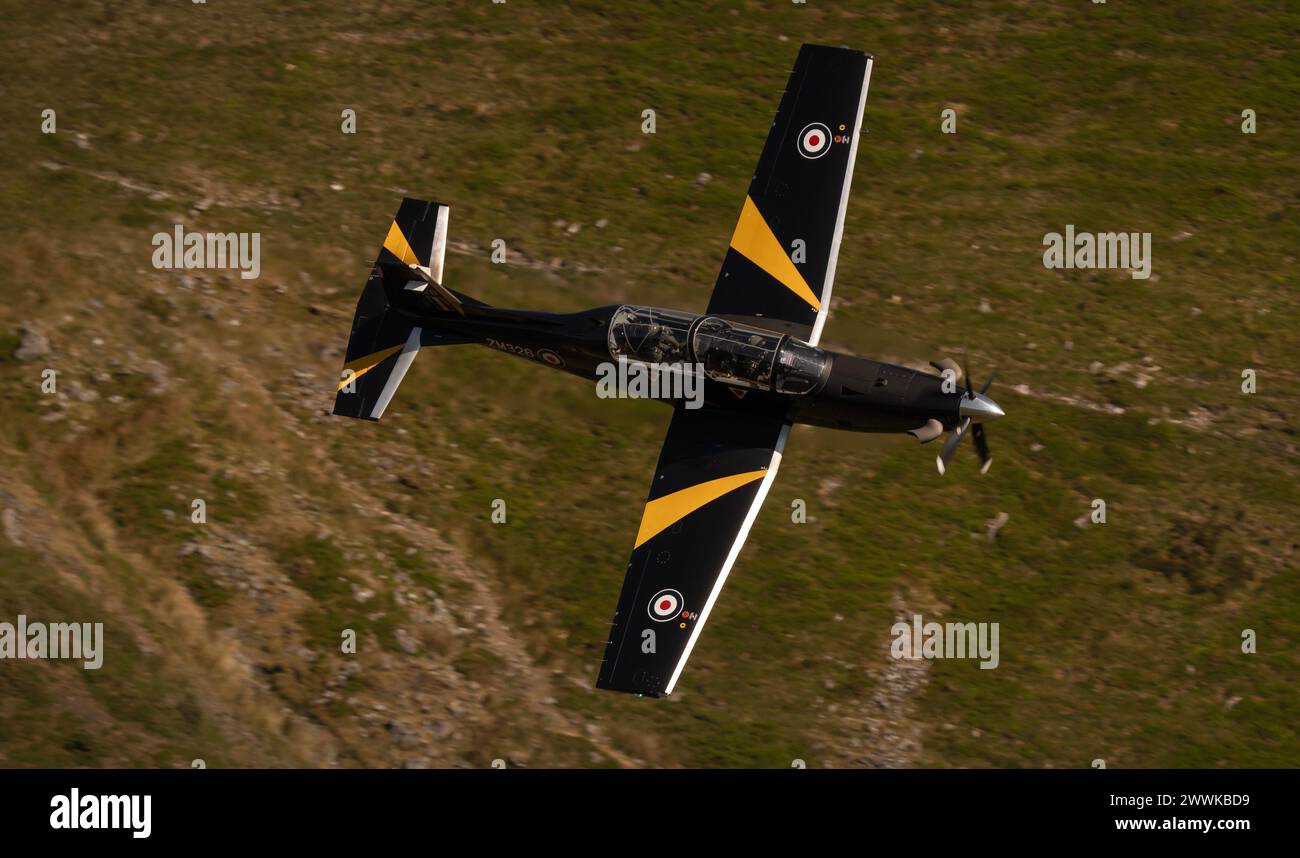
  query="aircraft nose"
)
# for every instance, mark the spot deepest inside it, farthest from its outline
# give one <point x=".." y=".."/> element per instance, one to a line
<point x="981" y="409"/>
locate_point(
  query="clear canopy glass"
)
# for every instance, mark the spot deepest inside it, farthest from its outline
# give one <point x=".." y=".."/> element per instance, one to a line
<point x="730" y="352"/>
<point x="734" y="353"/>
<point x="650" y="334"/>
<point x="799" y="367"/>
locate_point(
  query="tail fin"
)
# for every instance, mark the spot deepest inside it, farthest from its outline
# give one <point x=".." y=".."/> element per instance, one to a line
<point x="384" y="341"/>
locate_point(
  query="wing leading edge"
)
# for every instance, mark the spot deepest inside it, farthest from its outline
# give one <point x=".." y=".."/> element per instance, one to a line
<point x="714" y="471"/>
<point x="799" y="193"/>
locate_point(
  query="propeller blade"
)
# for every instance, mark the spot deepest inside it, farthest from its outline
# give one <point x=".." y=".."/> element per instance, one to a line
<point x="982" y="446"/>
<point x="941" y="461"/>
<point x="948" y="363"/>
<point x="986" y="411"/>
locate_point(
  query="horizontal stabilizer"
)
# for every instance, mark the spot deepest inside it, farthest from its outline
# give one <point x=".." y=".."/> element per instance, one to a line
<point x="384" y="340"/>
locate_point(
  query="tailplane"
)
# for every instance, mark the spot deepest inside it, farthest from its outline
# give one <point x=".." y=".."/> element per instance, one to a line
<point x="384" y="341"/>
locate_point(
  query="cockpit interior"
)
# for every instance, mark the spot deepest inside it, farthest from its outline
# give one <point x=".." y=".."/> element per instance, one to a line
<point x="729" y="352"/>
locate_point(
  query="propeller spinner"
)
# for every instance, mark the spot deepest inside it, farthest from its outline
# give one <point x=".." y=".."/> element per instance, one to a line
<point x="976" y="409"/>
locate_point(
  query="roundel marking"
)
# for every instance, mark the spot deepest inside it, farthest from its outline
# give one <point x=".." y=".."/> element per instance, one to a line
<point x="814" y="140"/>
<point x="665" y="606"/>
<point x="550" y="357"/>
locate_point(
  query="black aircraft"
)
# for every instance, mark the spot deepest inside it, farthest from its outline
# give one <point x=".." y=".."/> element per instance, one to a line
<point x="755" y="346"/>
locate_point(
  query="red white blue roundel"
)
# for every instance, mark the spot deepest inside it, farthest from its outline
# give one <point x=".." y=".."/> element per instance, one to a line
<point x="665" y="606"/>
<point x="814" y="140"/>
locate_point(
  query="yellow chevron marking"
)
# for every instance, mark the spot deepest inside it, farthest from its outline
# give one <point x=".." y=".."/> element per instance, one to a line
<point x="669" y="509"/>
<point x="399" y="246"/>
<point x="755" y="240"/>
<point x="363" y="365"/>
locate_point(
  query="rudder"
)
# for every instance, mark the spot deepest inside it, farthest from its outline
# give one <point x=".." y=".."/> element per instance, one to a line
<point x="384" y="341"/>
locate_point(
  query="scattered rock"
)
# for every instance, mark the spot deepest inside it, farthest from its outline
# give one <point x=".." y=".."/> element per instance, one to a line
<point x="995" y="524"/>
<point x="188" y="548"/>
<point x="409" y="645"/>
<point x="159" y="375"/>
<point x="80" y="392"/>
<point x="33" y="346"/>
<point x="12" y="529"/>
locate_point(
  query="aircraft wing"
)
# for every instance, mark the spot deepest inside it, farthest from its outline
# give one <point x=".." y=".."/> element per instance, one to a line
<point x="713" y="474"/>
<point x="781" y="262"/>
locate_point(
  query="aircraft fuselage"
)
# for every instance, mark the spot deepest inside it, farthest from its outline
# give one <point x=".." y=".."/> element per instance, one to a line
<point x="839" y="391"/>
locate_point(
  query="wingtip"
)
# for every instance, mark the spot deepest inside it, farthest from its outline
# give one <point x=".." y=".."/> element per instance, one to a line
<point x="938" y="460"/>
<point x="984" y="468"/>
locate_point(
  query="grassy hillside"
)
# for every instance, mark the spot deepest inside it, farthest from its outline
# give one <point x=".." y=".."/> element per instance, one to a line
<point x="478" y="641"/>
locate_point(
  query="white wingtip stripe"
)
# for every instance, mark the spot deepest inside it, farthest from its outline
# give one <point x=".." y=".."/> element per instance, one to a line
<point x="732" y="555"/>
<point x="829" y="282"/>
